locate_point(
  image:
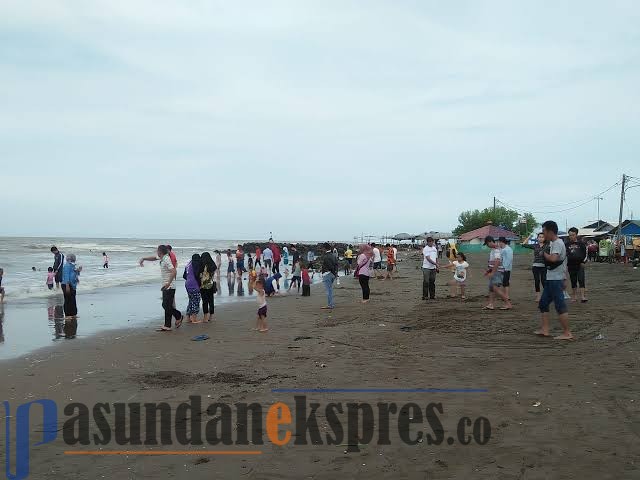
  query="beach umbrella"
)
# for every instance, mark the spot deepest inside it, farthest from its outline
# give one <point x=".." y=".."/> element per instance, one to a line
<point x="402" y="236"/>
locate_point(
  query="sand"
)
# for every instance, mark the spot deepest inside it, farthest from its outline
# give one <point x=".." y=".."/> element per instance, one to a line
<point x="557" y="410"/>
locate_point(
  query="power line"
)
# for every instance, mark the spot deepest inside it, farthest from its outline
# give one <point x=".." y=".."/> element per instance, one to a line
<point x="580" y="203"/>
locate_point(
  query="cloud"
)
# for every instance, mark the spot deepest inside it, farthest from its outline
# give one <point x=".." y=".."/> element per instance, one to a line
<point x="357" y="116"/>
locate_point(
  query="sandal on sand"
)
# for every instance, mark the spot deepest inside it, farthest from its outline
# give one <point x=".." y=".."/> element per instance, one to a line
<point x="506" y="308"/>
<point x="541" y="334"/>
<point x="564" y="337"/>
<point x="487" y="307"/>
<point x="163" y="329"/>
<point x="179" y="322"/>
<point x="584" y="300"/>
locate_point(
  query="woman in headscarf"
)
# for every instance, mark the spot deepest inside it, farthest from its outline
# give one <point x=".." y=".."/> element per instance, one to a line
<point x="192" y="285"/>
<point x="363" y="270"/>
<point x="208" y="285"/>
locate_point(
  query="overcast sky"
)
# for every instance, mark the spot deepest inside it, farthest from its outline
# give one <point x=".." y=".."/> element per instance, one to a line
<point x="313" y="120"/>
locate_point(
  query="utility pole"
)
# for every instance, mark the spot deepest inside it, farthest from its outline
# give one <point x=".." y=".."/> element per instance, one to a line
<point x="624" y="181"/>
<point x="598" y="200"/>
<point x="494" y="211"/>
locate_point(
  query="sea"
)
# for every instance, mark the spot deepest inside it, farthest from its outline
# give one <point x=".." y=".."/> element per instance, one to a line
<point x="25" y="261"/>
<point x="124" y="295"/>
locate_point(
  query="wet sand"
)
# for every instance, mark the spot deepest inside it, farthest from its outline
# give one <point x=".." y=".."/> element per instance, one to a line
<point x="557" y="410"/>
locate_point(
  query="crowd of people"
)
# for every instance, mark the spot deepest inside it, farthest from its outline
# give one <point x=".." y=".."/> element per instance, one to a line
<point x="558" y="270"/>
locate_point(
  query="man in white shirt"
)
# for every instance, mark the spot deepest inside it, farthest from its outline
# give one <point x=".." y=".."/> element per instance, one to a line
<point x="267" y="256"/>
<point x="377" y="260"/>
<point x="429" y="270"/>
<point x="495" y="273"/>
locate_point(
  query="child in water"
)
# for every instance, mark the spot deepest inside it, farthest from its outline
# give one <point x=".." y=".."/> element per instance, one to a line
<point x="261" y="319"/>
<point x="51" y="278"/>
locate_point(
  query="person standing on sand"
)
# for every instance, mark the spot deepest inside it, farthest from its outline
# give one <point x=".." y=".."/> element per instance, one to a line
<point x="267" y="256"/>
<point x="506" y="254"/>
<point x="276" y="257"/>
<point x="363" y="270"/>
<point x="261" y="297"/>
<point x="377" y="259"/>
<point x="296" y="276"/>
<point x="391" y="262"/>
<point x="576" y="259"/>
<point x="105" y="260"/>
<point x="168" y="274"/>
<point x="192" y="285"/>
<point x="69" y="286"/>
<point x="348" y="256"/>
<point x="208" y="285"/>
<point x="538" y="267"/>
<point x="495" y="272"/>
<point x="329" y="274"/>
<point x="258" y="257"/>
<point x="555" y="256"/>
<point x="429" y="270"/>
<point x="58" y="263"/>
<point x="285" y="255"/>
<point x="306" y="282"/>
<point x="295" y="255"/>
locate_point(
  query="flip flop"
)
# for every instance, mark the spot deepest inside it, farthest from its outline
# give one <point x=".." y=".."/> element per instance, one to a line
<point x="199" y="338"/>
<point x="584" y="301"/>
<point x="179" y="323"/>
<point x="505" y="308"/>
<point x="540" y="334"/>
<point x="161" y="329"/>
<point x="562" y="337"/>
<point x="488" y="308"/>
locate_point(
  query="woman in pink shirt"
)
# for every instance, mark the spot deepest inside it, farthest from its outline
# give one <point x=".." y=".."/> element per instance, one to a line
<point x="363" y="270"/>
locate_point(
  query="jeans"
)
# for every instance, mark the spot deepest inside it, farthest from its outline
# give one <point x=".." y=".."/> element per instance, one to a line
<point x="168" y="296"/>
<point x="539" y="276"/>
<point x="364" y="284"/>
<point x="553" y="293"/>
<point x="429" y="283"/>
<point x="328" y="279"/>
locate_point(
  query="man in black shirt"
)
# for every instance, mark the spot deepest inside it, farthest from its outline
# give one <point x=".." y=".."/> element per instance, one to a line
<point x="576" y="258"/>
<point x="58" y="263"/>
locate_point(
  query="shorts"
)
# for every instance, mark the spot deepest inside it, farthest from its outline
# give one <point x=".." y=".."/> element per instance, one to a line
<point x="495" y="281"/>
<point x="577" y="277"/>
<point x="50" y="285"/>
<point x="506" y="276"/>
<point x="262" y="311"/>
<point x="390" y="267"/>
<point x="377" y="265"/>
<point x="553" y="292"/>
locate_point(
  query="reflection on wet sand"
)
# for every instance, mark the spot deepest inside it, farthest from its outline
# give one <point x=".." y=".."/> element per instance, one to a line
<point x="55" y="316"/>
<point x="1" y="322"/>
<point x="231" y="283"/>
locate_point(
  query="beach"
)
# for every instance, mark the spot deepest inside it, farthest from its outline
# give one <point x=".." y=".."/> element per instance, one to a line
<point x="556" y="409"/>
